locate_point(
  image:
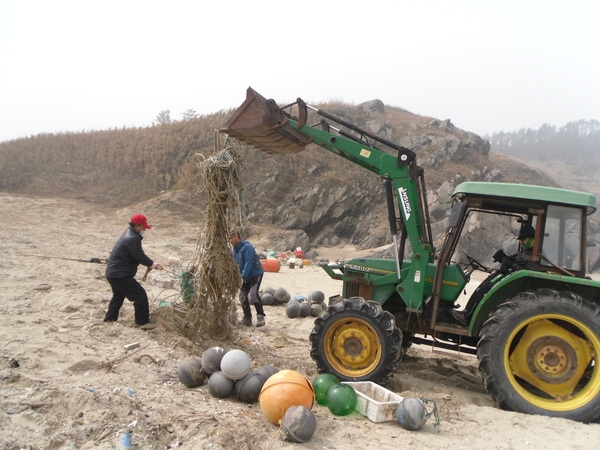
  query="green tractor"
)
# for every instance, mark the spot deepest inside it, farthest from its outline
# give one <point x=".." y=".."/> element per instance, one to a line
<point x="534" y="322"/>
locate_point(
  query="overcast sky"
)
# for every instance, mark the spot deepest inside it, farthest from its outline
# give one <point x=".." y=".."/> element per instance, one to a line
<point x="489" y="66"/>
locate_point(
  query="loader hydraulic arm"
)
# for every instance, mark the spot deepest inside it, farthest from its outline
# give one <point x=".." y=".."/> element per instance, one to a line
<point x="405" y="178"/>
<point x="400" y="170"/>
<point x="262" y="124"/>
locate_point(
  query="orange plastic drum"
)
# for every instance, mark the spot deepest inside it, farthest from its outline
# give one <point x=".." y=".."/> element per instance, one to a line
<point x="270" y="265"/>
<point x="284" y="389"/>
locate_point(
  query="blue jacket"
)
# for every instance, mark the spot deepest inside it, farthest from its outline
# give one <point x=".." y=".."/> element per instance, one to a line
<point x="247" y="260"/>
<point x="126" y="256"/>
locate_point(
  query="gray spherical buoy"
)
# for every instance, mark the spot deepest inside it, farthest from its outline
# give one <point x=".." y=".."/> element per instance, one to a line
<point x="280" y="295"/>
<point x="269" y="290"/>
<point x="299" y="424"/>
<point x="219" y="385"/>
<point x="211" y="359"/>
<point x="411" y="413"/>
<point x="267" y="299"/>
<point x="266" y="371"/>
<point x="305" y="310"/>
<point x="293" y="310"/>
<point x="190" y="372"/>
<point x="235" y="364"/>
<point x="248" y="388"/>
<point x="316" y="297"/>
<point x="316" y="309"/>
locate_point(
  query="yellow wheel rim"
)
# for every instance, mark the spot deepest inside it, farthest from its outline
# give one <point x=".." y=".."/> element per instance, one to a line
<point x="353" y="348"/>
<point x="550" y="360"/>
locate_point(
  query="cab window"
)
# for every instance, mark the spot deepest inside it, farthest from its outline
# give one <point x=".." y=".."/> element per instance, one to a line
<point x="562" y="237"/>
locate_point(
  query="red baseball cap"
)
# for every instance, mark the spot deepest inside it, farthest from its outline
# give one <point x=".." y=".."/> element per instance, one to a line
<point x="140" y="219"/>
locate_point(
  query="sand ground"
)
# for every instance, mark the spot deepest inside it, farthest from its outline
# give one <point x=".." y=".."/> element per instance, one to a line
<point x="77" y="384"/>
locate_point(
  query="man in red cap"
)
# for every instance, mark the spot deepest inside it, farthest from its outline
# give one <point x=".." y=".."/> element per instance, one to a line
<point x="123" y="262"/>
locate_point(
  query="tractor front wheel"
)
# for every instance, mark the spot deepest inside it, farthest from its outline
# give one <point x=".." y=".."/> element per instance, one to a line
<point x="539" y="353"/>
<point x="356" y="340"/>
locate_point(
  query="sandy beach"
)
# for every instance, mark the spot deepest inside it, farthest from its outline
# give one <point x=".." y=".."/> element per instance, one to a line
<point x="70" y="381"/>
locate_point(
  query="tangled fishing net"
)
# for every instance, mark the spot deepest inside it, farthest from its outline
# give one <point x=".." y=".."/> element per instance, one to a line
<point x="216" y="277"/>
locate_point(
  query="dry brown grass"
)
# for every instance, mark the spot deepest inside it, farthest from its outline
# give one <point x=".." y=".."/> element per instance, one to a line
<point x="121" y="167"/>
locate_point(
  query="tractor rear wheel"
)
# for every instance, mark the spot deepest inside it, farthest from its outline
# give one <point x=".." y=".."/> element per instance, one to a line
<point x="539" y="353"/>
<point x="356" y="340"/>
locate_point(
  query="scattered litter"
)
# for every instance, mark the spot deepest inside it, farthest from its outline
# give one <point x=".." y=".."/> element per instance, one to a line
<point x="43" y="287"/>
<point x="162" y="282"/>
<point x="123" y="440"/>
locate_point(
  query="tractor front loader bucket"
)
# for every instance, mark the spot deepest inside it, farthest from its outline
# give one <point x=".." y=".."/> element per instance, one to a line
<point x="260" y="123"/>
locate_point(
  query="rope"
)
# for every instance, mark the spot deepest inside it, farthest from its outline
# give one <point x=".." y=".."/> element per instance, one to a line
<point x="435" y="411"/>
<point x="216" y="278"/>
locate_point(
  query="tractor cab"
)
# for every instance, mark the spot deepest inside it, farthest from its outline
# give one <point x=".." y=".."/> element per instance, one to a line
<point x="486" y="222"/>
<point x="558" y="217"/>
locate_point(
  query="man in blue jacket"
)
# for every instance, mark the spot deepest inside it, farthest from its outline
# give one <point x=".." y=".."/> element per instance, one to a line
<point x="252" y="273"/>
<point x="123" y="262"/>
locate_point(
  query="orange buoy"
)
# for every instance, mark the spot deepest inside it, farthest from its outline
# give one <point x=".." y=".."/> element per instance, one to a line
<point x="282" y="390"/>
<point x="270" y="265"/>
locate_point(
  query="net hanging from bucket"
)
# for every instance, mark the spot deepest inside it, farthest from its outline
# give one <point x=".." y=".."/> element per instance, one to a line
<point x="217" y="278"/>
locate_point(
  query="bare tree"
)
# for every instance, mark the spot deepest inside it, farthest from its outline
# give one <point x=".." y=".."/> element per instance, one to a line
<point x="189" y="114"/>
<point x="163" y="117"/>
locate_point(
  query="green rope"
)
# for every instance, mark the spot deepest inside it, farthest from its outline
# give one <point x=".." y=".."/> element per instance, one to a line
<point x="435" y="411"/>
<point x="187" y="286"/>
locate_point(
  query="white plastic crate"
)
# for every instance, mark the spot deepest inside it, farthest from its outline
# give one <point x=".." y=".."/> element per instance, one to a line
<point x="375" y="402"/>
<point x="162" y="282"/>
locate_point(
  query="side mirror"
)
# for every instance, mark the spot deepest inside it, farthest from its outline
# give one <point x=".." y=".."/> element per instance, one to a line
<point x="456" y="214"/>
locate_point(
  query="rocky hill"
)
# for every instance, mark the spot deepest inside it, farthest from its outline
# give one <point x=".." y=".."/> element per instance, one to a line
<point x="312" y="198"/>
<point x="315" y="198"/>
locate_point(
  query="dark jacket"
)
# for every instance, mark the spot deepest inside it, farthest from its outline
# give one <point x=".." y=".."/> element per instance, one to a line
<point x="126" y="256"/>
<point x="513" y="262"/>
<point x="247" y="260"/>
